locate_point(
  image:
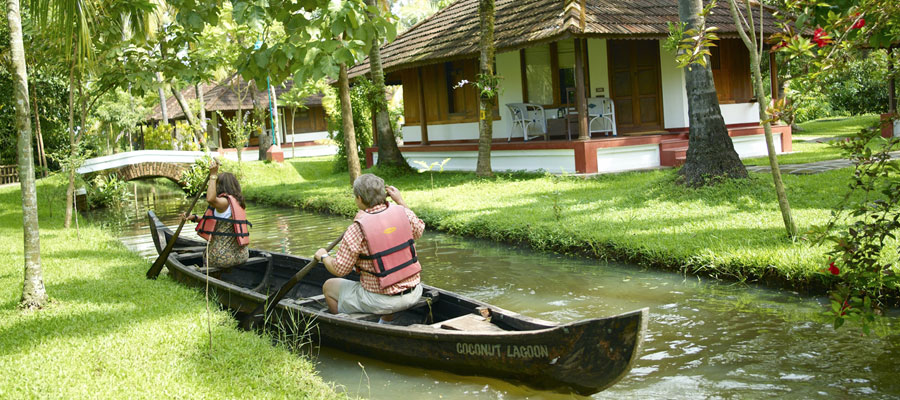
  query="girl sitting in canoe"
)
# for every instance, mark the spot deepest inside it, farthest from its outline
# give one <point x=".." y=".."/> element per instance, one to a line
<point x="224" y="224"/>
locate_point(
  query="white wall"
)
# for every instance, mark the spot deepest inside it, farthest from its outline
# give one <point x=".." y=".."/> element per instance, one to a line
<point x="306" y="137"/>
<point x="510" y="68"/>
<point x="554" y="161"/>
<point x="674" y="94"/>
<point x="740" y="113"/>
<point x="598" y="67"/>
<point x="755" y="145"/>
<point x="627" y="158"/>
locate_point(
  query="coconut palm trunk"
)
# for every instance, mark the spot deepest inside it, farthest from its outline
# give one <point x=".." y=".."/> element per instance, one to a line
<point x="73" y="149"/>
<point x="388" y="151"/>
<point x="755" y="55"/>
<point x="710" y="153"/>
<point x="33" y="293"/>
<point x="486" y="105"/>
<point x="347" y="121"/>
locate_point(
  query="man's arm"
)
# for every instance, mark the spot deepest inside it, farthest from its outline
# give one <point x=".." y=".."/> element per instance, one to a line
<point x="341" y="264"/>
<point x="417" y="225"/>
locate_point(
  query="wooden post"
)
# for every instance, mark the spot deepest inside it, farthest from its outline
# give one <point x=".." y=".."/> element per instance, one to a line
<point x="773" y="76"/>
<point x="580" y="100"/>
<point x="423" y="123"/>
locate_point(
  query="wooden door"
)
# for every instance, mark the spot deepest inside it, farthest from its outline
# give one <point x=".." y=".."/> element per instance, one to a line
<point x="635" y="84"/>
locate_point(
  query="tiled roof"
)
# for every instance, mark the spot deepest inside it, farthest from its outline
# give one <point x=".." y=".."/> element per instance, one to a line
<point x="452" y="32"/>
<point x="220" y="97"/>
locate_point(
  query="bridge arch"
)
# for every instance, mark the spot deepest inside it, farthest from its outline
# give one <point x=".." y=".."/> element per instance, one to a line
<point x="151" y="169"/>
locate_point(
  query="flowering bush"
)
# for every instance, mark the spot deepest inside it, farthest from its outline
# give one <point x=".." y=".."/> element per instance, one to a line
<point x="864" y="255"/>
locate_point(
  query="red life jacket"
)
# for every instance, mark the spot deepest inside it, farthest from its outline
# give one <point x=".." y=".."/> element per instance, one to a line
<point x="207" y="224"/>
<point x="391" y="244"/>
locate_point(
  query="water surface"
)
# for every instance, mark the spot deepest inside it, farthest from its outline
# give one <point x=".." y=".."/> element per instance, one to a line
<point x="706" y="339"/>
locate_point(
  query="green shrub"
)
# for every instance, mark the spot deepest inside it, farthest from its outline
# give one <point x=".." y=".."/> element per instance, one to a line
<point x="194" y="176"/>
<point x="186" y="139"/>
<point x="860" y="87"/>
<point x="159" y="137"/>
<point x="107" y="191"/>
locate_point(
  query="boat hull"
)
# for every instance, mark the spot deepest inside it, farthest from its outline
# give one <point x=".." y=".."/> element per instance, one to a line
<point x="582" y="357"/>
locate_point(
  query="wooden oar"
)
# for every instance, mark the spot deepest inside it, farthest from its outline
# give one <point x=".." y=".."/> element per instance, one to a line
<point x="264" y="310"/>
<point x="154" y="270"/>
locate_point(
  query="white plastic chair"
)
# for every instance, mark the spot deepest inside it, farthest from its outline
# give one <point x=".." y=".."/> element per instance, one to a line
<point x="525" y="115"/>
<point x="602" y="114"/>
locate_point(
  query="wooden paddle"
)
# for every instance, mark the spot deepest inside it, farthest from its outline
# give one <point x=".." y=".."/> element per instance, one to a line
<point x="154" y="270"/>
<point x="264" y="310"/>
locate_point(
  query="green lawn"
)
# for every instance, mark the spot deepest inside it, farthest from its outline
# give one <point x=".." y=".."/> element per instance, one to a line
<point x="804" y="151"/>
<point x="111" y="333"/>
<point x="733" y="230"/>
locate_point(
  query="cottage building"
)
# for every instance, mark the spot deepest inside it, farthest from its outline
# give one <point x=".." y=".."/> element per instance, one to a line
<point x="636" y="102"/>
<point x="307" y="137"/>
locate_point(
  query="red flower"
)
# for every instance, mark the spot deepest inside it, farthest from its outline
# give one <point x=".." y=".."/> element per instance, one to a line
<point x="834" y="270"/>
<point x="821" y="37"/>
<point x="859" y="23"/>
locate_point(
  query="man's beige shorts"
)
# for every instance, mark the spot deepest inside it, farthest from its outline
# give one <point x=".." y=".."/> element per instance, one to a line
<point x="354" y="299"/>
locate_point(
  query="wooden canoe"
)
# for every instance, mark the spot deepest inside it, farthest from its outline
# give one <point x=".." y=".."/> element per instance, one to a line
<point x="443" y="331"/>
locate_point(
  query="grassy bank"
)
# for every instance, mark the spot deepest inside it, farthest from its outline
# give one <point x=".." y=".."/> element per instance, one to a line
<point x="111" y="333"/>
<point x="811" y="143"/>
<point x="733" y="230"/>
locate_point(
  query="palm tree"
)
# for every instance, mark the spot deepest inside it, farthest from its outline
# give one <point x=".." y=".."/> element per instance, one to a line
<point x="33" y="293"/>
<point x="73" y="21"/>
<point x="710" y="151"/>
<point x="388" y="152"/>
<point x="486" y="120"/>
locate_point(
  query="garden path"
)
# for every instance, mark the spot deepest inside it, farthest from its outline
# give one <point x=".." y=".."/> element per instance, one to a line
<point x="813" y="167"/>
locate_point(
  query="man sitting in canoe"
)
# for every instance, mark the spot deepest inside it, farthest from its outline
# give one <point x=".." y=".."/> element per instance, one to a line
<point x="379" y="245"/>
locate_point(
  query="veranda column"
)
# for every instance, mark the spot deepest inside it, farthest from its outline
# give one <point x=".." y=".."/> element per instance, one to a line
<point x="580" y="100"/>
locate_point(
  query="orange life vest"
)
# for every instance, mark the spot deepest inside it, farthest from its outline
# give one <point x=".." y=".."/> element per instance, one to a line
<point x="207" y="224"/>
<point x="391" y="244"/>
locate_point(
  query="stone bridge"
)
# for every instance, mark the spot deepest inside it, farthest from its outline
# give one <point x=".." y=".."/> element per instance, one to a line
<point x="143" y="164"/>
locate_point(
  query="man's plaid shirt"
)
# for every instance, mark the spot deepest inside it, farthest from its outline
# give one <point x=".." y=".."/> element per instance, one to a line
<point x="354" y="244"/>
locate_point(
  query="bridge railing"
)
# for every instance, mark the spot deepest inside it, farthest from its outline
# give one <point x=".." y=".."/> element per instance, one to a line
<point x="136" y="157"/>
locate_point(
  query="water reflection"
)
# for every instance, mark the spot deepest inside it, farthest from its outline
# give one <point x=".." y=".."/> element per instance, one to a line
<point x="705" y="339"/>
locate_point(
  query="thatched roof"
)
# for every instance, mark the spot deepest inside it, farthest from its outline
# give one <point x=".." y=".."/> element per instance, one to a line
<point x="452" y="33"/>
<point x="221" y="97"/>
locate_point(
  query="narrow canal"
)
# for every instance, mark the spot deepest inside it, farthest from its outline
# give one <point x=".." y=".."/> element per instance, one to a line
<point x="705" y="339"/>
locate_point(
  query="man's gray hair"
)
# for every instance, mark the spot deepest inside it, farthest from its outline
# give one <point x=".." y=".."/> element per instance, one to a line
<point x="370" y="189"/>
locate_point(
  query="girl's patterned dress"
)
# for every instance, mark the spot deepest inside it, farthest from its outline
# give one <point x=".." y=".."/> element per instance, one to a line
<point x="224" y="251"/>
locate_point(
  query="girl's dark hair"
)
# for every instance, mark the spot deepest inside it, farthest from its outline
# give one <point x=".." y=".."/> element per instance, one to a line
<point x="228" y="184"/>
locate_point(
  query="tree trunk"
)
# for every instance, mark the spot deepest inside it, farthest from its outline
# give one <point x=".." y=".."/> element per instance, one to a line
<point x="388" y="152"/>
<point x="710" y="153"/>
<point x="38" y="137"/>
<point x="486" y="105"/>
<point x="185" y="107"/>
<point x="347" y="120"/>
<point x="33" y="293"/>
<point x="259" y="113"/>
<point x="73" y="149"/>
<point x="783" y="203"/>
<point x="198" y="89"/>
<point x="163" y="107"/>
